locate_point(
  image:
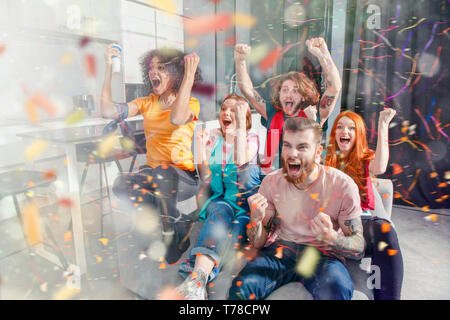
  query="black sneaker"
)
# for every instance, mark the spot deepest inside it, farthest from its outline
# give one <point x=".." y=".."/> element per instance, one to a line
<point x="177" y="241"/>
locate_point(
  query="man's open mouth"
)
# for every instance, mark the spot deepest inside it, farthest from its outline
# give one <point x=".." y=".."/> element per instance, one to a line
<point x="294" y="168"/>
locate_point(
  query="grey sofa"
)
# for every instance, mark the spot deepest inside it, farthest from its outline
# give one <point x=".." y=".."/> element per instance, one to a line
<point x="147" y="277"/>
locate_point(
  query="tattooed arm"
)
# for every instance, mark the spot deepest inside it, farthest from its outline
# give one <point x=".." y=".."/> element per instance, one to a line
<point x="349" y="245"/>
<point x="245" y="83"/>
<point x="318" y="47"/>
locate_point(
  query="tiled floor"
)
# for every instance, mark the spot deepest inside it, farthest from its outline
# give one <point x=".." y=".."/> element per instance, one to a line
<point x="425" y="245"/>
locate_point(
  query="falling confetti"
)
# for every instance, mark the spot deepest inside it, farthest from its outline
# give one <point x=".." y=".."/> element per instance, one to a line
<point x="385" y="227"/>
<point x="207" y="24"/>
<point x="89" y="64"/>
<point x="35" y="149"/>
<point x="75" y="117"/>
<point x="382" y="245"/>
<point x="104" y="241"/>
<point x="432" y="217"/>
<point x="243" y="20"/>
<point x="107" y="145"/>
<point x="308" y="262"/>
<point x="166" y="5"/>
<point x="31" y="110"/>
<point x="2" y="48"/>
<point x="44" y="103"/>
<point x="32" y="224"/>
<point x="270" y="59"/>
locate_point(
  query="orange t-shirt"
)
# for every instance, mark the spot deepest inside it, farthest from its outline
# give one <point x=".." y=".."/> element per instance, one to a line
<point x="166" y="143"/>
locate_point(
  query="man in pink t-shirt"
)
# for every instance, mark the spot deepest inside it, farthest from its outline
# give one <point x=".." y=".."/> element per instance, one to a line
<point x="318" y="212"/>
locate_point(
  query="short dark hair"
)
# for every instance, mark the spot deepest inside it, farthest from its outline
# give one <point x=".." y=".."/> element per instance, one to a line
<point x="174" y="60"/>
<point x="302" y="124"/>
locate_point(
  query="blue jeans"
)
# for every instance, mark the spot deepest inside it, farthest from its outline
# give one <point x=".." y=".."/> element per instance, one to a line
<point x="266" y="273"/>
<point x="221" y="233"/>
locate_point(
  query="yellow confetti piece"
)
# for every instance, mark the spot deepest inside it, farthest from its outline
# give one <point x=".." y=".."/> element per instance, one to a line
<point x="447" y="175"/>
<point x="243" y="20"/>
<point x="166" y="5"/>
<point x="31" y="110"/>
<point x="44" y="287"/>
<point x="65" y="293"/>
<point x="35" y="149"/>
<point x="382" y="245"/>
<point x="432" y="217"/>
<point x="107" y="145"/>
<point x="433" y="175"/>
<point x="257" y="54"/>
<point x="99" y="259"/>
<point x="308" y="262"/>
<point x="104" y="241"/>
<point x="314" y="195"/>
<point x="32" y="224"/>
<point x="162" y="266"/>
<point x="426" y="208"/>
<point x="75" y="117"/>
<point x="127" y="144"/>
<point x="66" y="59"/>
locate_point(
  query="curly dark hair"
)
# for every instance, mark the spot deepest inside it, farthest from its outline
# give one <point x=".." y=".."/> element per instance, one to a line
<point x="174" y="60"/>
<point x="307" y="87"/>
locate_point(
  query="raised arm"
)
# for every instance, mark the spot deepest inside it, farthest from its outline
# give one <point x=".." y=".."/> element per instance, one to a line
<point x="181" y="114"/>
<point x="318" y="48"/>
<point x="109" y="109"/>
<point x="379" y="164"/>
<point x="243" y="151"/>
<point x="349" y="245"/>
<point x="202" y="138"/>
<point x="244" y="82"/>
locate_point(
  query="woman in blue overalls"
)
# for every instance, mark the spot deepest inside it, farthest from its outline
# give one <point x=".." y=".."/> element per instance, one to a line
<point x="227" y="159"/>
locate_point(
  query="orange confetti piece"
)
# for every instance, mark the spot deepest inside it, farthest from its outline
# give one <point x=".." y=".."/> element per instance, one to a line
<point x="426" y="208"/>
<point x="162" y="266"/>
<point x="67" y="236"/>
<point x="433" y="175"/>
<point x="385" y="195"/>
<point x="207" y="24"/>
<point x="385" y="227"/>
<point x="31" y="184"/>
<point x="65" y="202"/>
<point x="314" y="196"/>
<point x="89" y="64"/>
<point x="45" y="104"/>
<point x="49" y="175"/>
<point x="2" y="48"/>
<point x="432" y="217"/>
<point x="238" y="283"/>
<point x="211" y="285"/>
<point x="397" y="168"/>
<point x="32" y="223"/>
<point x="270" y="59"/>
<point x="442" y="185"/>
<point x="279" y="253"/>
<point x="392" y="252"/>
<point x="252" y="296"/>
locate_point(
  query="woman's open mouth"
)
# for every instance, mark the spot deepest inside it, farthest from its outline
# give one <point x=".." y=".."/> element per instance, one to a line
<point x="344" y="141"/>
<point x="226" y="123"/>
<point x="155" y="83"/>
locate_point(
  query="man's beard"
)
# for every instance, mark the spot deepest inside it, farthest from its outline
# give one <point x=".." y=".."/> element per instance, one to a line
<point x="305" y="170"/>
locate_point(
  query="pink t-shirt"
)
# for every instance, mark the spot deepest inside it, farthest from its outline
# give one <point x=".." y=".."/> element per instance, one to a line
<point x="333" y="192"/>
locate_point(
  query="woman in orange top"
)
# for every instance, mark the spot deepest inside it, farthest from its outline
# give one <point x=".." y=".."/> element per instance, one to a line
<point x="169" y="176"/>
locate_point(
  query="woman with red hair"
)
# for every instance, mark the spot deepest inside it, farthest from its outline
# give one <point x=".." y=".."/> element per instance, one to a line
<point x="349" y="152"/>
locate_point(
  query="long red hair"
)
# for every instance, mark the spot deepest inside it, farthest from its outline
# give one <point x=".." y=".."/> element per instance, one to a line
<point x="354" y="164"/>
